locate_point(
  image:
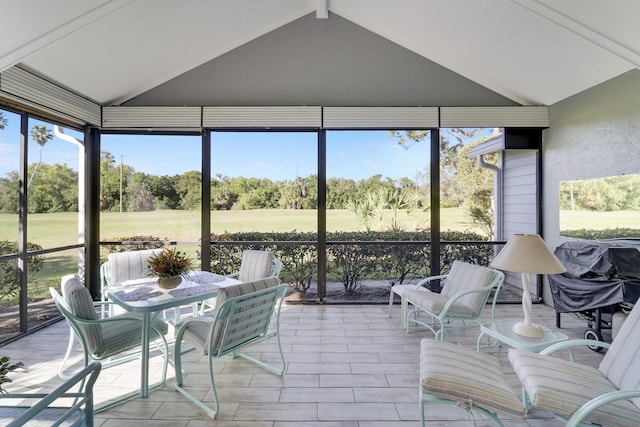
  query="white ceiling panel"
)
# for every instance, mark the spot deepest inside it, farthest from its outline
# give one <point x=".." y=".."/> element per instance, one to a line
<point x="151" y="41"/>
<point x="496" y="43"/>
<point x="613" y="25"/>
<point x="533" y="52"/>
<point x="29" y="26"/>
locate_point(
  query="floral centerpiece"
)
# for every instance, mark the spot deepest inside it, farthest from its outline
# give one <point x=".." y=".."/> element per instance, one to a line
<point x="169" y="266"/>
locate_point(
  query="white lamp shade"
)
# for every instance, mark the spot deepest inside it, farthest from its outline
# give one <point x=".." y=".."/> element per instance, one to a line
<point x="527" y="253"/>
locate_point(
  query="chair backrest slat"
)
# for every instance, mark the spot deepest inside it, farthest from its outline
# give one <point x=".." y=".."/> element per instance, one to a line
<point x="82" y="407"/>
<point x="244" y="312"/>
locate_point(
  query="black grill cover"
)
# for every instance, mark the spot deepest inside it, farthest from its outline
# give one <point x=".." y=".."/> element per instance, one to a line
<point x="599" y="274"/>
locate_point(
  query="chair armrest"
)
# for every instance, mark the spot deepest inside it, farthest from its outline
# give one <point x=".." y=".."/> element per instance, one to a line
<point x="596" y="402"/>
<point x="102" y="303"/>
<point x="569" y="344"/>
<point x="430" y="279"/>
<point x="106" y="320"/>
<point x="83" y="398"/>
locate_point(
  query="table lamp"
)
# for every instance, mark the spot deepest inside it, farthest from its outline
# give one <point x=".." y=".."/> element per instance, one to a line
<point x="527" y="254"/>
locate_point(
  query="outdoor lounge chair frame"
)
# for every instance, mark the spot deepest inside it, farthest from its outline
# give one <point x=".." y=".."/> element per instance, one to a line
<point x="239" y="322"/>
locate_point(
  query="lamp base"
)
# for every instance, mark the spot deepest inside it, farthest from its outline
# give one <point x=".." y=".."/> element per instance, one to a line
<point x="528" y="330"/>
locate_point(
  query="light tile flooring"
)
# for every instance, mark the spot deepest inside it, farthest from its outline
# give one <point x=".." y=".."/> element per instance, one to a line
<point x="348" y="365"/>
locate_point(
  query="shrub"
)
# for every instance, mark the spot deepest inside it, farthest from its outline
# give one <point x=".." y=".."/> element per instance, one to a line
<point x="133" y="243"/>
<point x="609" y="233"/>
<point x="10" y="271"/>
<point x="350" y="262"/>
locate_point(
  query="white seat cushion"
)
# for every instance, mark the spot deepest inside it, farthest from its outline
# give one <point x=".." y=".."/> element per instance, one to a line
<point x="561" y="387"/>
<point x="453" y="372"/>
<point x="434" y="302"/>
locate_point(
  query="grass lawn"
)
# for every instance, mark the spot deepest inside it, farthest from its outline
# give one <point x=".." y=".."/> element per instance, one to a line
<point x="58" y="229"/>
<point x="576" y="220"/>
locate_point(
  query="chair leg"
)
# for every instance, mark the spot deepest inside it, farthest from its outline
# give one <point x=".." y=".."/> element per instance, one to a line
<point x="180" y="381"/>
<point x="404" y="304"/>
<point x="61" y="372"/>
<point x="469" y="407"/>
<point x="391" y="295"/>
<point x="165" y="354"/>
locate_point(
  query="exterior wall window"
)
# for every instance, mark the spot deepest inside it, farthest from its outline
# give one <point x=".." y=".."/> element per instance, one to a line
<point x="50" y="182"/>
<point x="466" y="197"/>
<point x="264" y="188"/>
<point x="150" y="191"/>
<point x="377" y="192"/>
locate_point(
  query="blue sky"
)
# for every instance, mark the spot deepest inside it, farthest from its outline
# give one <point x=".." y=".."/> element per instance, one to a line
<point x="274" y="155"/>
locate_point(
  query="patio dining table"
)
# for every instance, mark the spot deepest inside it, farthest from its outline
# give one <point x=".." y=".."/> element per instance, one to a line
<point x="145" y="297"/>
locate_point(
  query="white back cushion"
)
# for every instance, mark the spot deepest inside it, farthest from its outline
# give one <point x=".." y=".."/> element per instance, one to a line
<point x="255" y="265"/>
<point x="465" y="277"/>
<point x="130" y="265"/>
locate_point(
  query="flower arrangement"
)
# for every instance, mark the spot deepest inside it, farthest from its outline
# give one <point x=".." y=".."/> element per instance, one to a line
<point x="170" y="263"/>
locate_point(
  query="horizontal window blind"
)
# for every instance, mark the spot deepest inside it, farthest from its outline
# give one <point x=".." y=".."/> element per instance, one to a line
<point x="380" y="117"/>
<point x="27" y="88"/>
<point x="262" y="117"/>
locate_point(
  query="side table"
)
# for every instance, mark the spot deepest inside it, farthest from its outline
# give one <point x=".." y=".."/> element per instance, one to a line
<point x="501" y="331"/>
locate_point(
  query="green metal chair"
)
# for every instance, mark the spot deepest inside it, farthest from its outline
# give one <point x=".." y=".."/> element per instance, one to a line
<point x="581" y="395"/>
<point x="255" y="265"/>
<point x="242" y="317"/>
<point x="102" y="339"/>
<point x="63" y="406"/>
<point x="122" y="266"/>
<point x="465" y="293"/>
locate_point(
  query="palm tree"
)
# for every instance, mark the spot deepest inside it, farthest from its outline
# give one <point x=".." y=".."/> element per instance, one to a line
<point x="41" y="135"/>
<point x="3" y="120"/>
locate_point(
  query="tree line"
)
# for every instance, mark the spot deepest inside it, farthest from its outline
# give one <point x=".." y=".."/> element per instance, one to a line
<point x="54" y="187"/>
<point x="613" y="193"/>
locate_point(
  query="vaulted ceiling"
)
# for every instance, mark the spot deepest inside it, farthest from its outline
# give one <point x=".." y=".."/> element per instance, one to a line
<point x="322" y="52"/>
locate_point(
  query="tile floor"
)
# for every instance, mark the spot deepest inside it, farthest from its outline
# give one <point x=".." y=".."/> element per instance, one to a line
<point x="348" y="366"/>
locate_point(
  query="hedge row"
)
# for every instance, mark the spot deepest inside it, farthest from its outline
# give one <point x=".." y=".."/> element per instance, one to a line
<point x="609" y="233"/>
<point x="350" y="263"/>
<point x="351" y="256"/>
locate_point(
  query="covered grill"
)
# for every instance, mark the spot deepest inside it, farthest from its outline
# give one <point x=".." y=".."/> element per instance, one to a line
<point x="600" y="276"/>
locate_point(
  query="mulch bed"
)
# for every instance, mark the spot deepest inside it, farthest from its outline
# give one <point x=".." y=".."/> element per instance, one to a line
<point x="373" y="292"/>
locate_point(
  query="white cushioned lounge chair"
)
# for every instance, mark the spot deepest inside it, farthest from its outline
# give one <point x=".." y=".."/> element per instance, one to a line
<point x="242" y="317"/>
<point x="103" y="339"/>
<point x="583" y="395"/>
<point x="255" y="265"/>
<point x="462" y="299"/>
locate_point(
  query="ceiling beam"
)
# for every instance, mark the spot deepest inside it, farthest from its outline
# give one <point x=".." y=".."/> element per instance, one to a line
<point x="41" y="41"/>
<point x="581" y="30"/>
<point x="322" y="11"/>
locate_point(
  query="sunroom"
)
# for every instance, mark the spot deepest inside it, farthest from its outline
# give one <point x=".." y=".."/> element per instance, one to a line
<point x="217" y="126"/>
